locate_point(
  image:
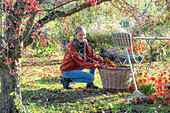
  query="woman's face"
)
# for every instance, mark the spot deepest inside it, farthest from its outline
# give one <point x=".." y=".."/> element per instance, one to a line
<point x="81" y="36"/>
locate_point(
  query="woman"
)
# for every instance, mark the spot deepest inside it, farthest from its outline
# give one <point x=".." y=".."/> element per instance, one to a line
<point x="79" y="56"/>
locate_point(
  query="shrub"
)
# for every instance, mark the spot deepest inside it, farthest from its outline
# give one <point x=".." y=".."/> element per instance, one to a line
<point x="101" y="30"/>
<point x="106" y="51"/>
<point x="146" y="89"/>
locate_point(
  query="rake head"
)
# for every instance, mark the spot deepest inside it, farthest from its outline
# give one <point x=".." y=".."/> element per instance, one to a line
<point x="137" y="93"/>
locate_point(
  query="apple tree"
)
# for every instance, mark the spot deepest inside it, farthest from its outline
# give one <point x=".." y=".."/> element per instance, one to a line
<point x="20" y="20"/>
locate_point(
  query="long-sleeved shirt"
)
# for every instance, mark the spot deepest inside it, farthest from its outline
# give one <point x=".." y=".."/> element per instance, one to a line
<point x="73" y="60"/>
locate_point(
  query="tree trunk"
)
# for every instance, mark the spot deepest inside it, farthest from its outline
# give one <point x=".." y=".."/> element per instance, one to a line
<point x="10" y="83"/>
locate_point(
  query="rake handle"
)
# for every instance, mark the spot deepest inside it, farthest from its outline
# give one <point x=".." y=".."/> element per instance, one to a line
<point x="131" y="70"/>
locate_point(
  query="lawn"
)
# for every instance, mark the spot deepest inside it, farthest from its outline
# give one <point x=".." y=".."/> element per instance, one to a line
<point x="42" y="92"/>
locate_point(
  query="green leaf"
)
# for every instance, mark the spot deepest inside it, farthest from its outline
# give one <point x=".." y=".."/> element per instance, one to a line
<point x="11" y="94"/>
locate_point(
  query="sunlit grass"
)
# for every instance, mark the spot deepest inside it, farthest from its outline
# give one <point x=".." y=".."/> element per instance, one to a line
<point x="43" y="92"/>
<point x="49" y="96"/>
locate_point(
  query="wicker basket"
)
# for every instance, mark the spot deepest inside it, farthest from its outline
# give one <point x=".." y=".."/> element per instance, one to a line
<point x="116" y="78"/>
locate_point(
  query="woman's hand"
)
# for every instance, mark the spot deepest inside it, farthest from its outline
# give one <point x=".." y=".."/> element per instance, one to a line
<point x="97" y="65"/>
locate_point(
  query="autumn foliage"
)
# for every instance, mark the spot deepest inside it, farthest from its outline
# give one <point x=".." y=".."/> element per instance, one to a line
<point x="108" y="64"/>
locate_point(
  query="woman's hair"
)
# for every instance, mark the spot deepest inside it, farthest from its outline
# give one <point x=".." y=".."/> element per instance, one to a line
<point x="78" y="29"/>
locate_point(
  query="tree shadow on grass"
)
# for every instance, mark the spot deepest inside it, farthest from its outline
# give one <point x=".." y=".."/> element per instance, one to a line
<point x="47" y="96"/>
<point x="83" y="99"/>
<point x="63" y="96"/>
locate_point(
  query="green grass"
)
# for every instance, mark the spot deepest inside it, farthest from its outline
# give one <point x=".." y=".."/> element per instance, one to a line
<point x="42" y="92"/>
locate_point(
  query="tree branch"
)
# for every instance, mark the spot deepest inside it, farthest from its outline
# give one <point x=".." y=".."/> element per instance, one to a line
<point x="53" y="15"/>
<point x="29" y="27"/>
<point x="57" y="14"/>
<point x="60" y="5"/>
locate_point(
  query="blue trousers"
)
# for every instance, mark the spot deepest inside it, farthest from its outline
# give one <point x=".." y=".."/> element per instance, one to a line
<point x="79" y="75"/>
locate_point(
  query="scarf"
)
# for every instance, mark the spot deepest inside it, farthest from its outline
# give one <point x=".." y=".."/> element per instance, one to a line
<point x="79" y="46"/>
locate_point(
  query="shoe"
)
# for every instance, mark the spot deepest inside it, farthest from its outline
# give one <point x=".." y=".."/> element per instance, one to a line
<point x="91" y="85"/>
<point x="65" y="82"/>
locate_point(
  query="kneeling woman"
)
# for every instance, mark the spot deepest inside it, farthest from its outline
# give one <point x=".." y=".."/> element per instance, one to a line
<point x="79" y="56"/>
